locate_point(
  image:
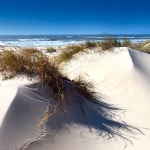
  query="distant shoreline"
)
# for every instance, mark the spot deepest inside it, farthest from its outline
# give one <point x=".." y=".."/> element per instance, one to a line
<point x="63" y="40"/>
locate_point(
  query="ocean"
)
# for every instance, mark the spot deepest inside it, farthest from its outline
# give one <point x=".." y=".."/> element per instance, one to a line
<point x="62" y="40"/>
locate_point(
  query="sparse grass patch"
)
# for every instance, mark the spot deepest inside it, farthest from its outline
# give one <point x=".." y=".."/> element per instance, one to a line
<point x="10" y="62"/>
<point x="30" y="50"/>
<point x="50" y="50"/>
<point x="32" y="62"/>
<point x="68" y="53"/>
<point x="85" y="88"/>
<point x="8" y="76"/>
<point x="90" y="44"/>
<point x="25" y="61"/>
<point x="109" y="42"/>
<point x="142" y="46"/>
<point x="145" y="47"/>
<point x="146" y="50"/>
<point x="76" y="48"/>
<point x="126" y="42"/>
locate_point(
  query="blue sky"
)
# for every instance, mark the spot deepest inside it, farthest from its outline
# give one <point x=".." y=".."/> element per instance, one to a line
<point x="74" y="16"/>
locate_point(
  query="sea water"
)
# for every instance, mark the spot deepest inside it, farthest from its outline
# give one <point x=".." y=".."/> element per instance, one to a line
<point x="62" y="40"/>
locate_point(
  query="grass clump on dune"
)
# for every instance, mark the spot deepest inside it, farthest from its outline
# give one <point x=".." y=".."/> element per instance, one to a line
<point x="10" y="62"/>
<point x="32" y="62"/>
<point x="21" y="61"/>
<point x="143" y="46"/>
<point x="90" y="44"/>
<point x="126" y="43"/>
<point x="85" y="88"/>
<point x="50" y="50"/>
<point x="109" y="42"/>
<point x="30" y="50"/>
<point x="68" y="53"/>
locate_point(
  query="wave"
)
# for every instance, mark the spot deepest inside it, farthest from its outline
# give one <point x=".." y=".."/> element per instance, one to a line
<point x="69" y="36"/>
<point x="2" y="44"/>
<point x="62" y="40"/>
<point x="128" y="37"/>
<point x="36" y="39"/>
<point x="38" y="43"/>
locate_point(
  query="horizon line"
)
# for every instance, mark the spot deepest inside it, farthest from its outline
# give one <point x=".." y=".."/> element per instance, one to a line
<point x="75" y="34"/>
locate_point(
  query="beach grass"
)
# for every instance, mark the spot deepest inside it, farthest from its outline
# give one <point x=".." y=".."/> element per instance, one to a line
<point x="109" y="42"/>
<point x="68" y="52"/>
<point x="90" y="44"/>
<point x="50" y="49"/>
<point x="21" y="61"/>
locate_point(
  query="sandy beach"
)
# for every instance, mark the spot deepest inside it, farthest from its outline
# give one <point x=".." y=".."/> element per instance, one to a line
<point x="121" y="78"/>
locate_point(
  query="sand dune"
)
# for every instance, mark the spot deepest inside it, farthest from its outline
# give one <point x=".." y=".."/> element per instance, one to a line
<point x="122" y="78"/>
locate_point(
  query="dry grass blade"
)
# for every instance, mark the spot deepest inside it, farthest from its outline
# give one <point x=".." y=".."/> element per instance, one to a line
<point x="85" y="88"/>
<point x="90" y="44"/>
<point x="109" y="42"/>
<point x="50" y="50"/>
<point x="11" y="62"/>
<point x="68" y="53"/>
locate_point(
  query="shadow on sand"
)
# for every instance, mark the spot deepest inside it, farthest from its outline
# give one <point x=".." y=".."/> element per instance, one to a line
<point x="96" y="117"/>
<point x="76" y="112"/>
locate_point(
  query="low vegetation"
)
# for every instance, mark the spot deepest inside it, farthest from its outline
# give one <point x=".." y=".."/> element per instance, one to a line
<point x="50" y="50"/>
<point x="21" y="61"/>
<point x="90" y="44"/>
<point x="143" y="46"/>
<point x="68" y="53"/>
<point x="109" y="42"/>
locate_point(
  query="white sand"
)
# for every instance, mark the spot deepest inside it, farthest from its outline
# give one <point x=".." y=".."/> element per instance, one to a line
<point x="122" y="77"/>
